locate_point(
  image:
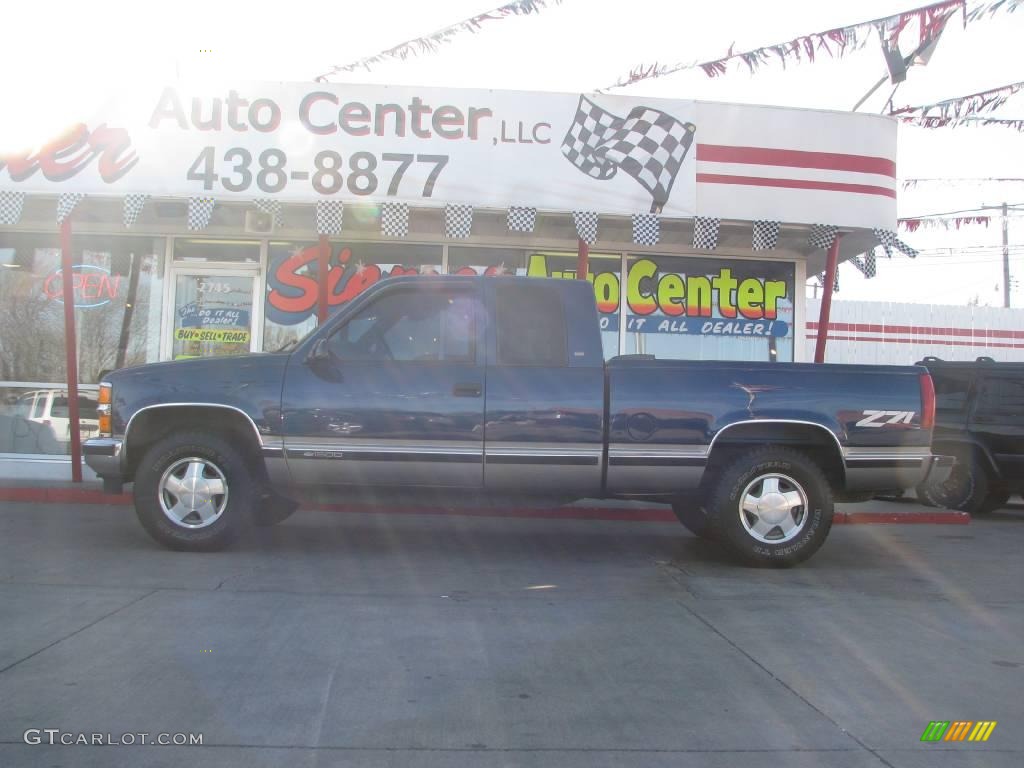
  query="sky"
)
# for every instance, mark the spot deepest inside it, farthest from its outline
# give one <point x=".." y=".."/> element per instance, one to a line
<point x="59" y="58"/>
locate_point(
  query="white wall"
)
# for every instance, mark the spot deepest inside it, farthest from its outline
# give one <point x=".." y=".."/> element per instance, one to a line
<point x="898" y="334"/>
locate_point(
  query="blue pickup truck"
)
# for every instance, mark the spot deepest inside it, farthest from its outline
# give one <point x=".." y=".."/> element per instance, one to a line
<point x="459" y="386"/>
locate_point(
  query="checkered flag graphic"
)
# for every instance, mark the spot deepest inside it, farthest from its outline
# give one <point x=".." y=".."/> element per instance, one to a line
<point x="458" y="221"/>
<point x="66" y="203"/>
<point x="272" y="208"/>
<point x="649" y="145"/>
<point x="11" y="204"/>
<point x="646" y="228"/>
<point x="133" y="205"/>
<point x="200" y="211"/>
<point x="887" y="239"/>
<point x="394" y="219"/>
<point x="822" y="236"/>
<point x="766" y="235"/>
<point x="521" y="219"/>
<point x="905" y="249"/>
<point x="870" y="264"/>
<point x="835" y="281"/>
<point x="586" y="225"/>
<point x="705" y="233"/>
<point x="329" y="217"/>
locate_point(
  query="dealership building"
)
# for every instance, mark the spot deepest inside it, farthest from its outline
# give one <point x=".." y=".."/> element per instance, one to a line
<point x="187" y="224"/>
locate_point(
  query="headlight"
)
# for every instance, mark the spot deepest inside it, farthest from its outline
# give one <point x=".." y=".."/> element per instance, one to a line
<point x="103" y="410"/>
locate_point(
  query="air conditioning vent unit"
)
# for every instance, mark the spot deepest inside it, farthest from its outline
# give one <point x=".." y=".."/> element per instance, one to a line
<point x="258" y="223"/>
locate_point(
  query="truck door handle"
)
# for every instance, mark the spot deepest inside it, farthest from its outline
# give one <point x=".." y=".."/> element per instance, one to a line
<point x="466" y="390"/>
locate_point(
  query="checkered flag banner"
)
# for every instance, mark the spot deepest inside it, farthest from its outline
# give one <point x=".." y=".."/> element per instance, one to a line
<point x="133" y="205"/>
<point x="822" y="236"/>
<point x="66" y="203"/>
<point x="521" y="219"/>
<point x="766" y="235"/>
<point x="11" y="204"/>
<point x="200" y="211"/>
<point x="835" y="281"/>
<point x="887" y="239"/>
<point x="905" y="249"/>
<point x="458" y="221"/>
<point x="649" y="145"/>
<point x="867" y="266"/>
<point x="394" y="219"/>
<point x="646" y="228"/>
<point x="329" y="216"/>
<point x="705" y="233"/>
<point x="586" y="225"/>
<point x="272" y="208"/>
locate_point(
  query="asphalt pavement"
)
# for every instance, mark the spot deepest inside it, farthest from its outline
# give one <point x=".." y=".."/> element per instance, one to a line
<point x="428" y="640"/>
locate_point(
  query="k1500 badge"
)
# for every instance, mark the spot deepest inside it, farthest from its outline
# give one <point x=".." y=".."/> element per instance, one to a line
<point x="885" y="418"/>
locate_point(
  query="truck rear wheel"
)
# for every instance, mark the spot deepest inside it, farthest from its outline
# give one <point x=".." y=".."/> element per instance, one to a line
<point x="967" y="489"/>
<point x="772" y="507"/>
<point x="195" y="492"/>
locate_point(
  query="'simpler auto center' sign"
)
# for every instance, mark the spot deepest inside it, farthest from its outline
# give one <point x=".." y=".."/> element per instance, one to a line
<point x="426" y="146"/>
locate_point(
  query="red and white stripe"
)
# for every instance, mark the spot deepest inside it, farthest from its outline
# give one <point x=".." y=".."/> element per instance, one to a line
<point x="766" y="168"/>
<point x="923" y="335"/>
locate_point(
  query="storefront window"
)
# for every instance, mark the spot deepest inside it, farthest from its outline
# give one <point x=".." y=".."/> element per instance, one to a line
<point x="292" y="284"/>
<point x="709" y="309"/>
<point x="203" y="251"/>
<point x="37" y="419"/>
<point x="486" y="261"/>
<point x="117" y="293"/>
<point x="603" y="273"/>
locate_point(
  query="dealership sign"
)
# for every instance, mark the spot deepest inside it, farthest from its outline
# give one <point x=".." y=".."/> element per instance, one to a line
<point x="715" y="298"/>
<point x="616" y="154"/>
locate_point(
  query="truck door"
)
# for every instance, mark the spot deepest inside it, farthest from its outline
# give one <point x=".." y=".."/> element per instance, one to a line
<point x="397" y="399"/>
<point x="545" y="390"/>
<point x="999" y="420"/>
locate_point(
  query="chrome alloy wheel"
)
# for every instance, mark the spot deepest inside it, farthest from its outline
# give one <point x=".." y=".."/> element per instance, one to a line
<point x="193" y="492"/>
<point x="773" y="508"/>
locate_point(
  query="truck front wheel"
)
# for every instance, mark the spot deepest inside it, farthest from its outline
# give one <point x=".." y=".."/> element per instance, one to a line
<point x="772" y="506"/>
<point x="194" y="491"/>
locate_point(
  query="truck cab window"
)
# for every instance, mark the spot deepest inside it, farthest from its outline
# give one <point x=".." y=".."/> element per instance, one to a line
<point x="531" y="326"/>
<point x="410" y="326"/>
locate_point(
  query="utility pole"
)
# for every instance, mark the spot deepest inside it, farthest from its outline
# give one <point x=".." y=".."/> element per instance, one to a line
<point x="1006" y="259"/>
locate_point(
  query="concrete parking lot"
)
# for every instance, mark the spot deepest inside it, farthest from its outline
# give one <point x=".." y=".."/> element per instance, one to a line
<point x="428" y="640"/>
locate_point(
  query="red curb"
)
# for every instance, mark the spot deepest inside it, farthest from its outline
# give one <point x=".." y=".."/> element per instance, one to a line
<point x="640" y="515"/>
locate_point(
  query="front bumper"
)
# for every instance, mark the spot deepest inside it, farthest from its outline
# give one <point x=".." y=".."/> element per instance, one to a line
<point x="103" y="455"/>
<point x="939" y="469"/>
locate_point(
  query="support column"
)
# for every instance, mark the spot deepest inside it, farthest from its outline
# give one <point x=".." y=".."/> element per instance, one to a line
<point x="826" y="300"/>
<point x="71" y="349"/>
<point x="323" y="264"/>
<point x="582" y="260"/>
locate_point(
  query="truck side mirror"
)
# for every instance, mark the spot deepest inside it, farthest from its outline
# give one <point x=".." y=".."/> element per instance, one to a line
<point x="318" y="353"/>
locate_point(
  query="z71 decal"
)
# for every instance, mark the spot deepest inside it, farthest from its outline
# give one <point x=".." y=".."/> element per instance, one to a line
<point x="885" y="418"/>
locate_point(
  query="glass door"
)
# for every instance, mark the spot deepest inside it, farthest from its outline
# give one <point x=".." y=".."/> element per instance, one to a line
<point x="213" y="313"/>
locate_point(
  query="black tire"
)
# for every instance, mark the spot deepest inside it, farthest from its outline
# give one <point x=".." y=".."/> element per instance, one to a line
<point x="691" y="512"/>
<point x="219" y="459"/>
<point x="808" y="523"/>
<point x="996" y="499"/>
<point x="273" y="510"/>
<point x="968" y="488"/>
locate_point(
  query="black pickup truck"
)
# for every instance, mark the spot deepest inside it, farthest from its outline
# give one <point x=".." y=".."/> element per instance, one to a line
<point x="498" y="386"/>
<point x="980" y="423"/>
